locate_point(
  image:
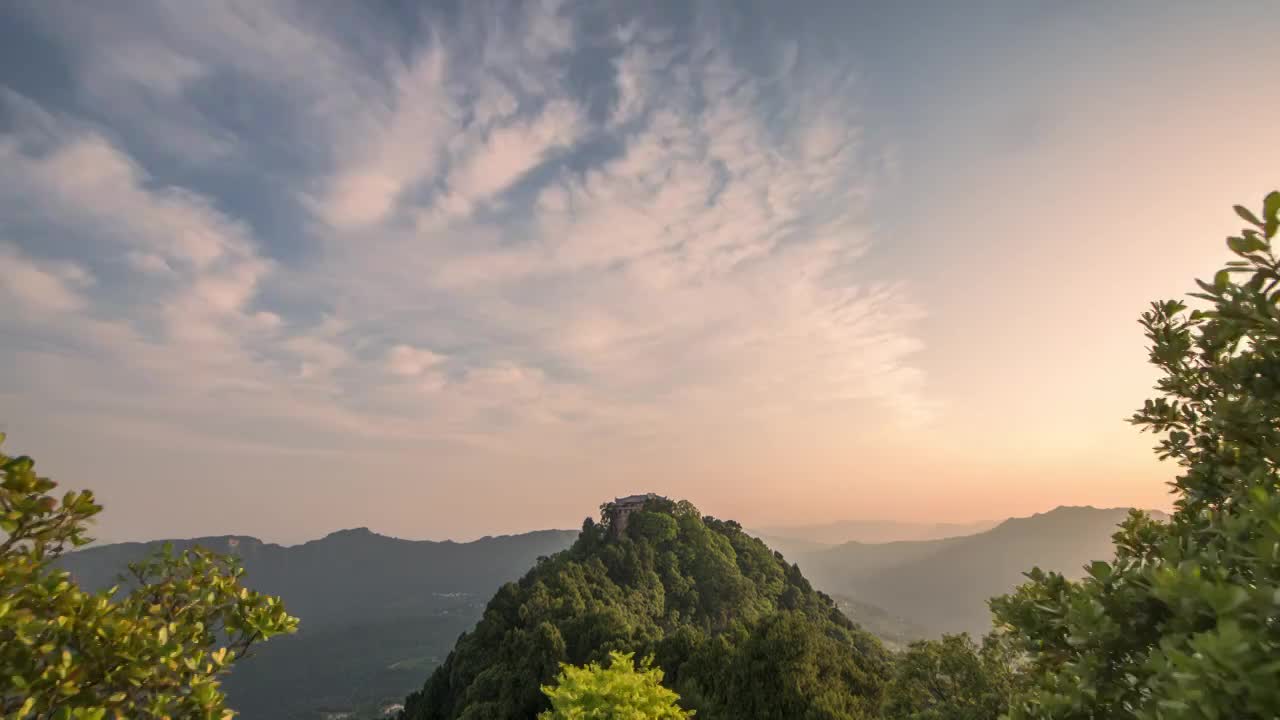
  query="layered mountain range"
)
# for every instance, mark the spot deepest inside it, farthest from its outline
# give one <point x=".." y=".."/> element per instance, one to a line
<point x="380" y="613"/>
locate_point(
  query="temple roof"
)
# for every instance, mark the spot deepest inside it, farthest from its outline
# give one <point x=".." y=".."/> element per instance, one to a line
<point x="633" y="499"/>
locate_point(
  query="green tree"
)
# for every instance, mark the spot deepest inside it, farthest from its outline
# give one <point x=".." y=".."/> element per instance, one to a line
<point x="652" y="527"/>
<point x="153" y="651"/>
<point x="787" y="667"/>
<point x="616" y="692"/>
<point x="950" y="679"/>
<point x="1185" y="621"/>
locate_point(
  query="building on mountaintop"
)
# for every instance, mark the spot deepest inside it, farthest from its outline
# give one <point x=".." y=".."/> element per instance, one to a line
<point x="621" y="508"/>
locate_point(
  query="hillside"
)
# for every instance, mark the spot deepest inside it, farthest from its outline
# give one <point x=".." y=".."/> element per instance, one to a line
<point x="377" y="612"/>
<point x="738" y="631"/>
<point x="943" y="585"/>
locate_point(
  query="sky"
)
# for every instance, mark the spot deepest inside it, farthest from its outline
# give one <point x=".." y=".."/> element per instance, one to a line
<point x="450" y="270"/>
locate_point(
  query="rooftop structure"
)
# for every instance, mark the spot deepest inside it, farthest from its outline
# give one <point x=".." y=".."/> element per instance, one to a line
<point x="621" y="508"/>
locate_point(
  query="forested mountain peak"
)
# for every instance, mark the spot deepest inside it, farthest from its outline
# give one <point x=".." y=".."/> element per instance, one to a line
<point x="709" y="603"/>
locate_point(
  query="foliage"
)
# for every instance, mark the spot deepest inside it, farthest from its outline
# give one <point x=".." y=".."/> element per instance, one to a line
<point x="738" y="631"/>
<point x="1185" y="621"/>
<point x="787" y="666"/>
<point x="950" y="679"/>
<point x="154" y="651"/>
<point x="653" y="527"/>
<point x="616" y="692"/>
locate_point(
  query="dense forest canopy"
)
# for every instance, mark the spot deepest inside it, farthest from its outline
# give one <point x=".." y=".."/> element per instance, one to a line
<point x="738" y="631"/>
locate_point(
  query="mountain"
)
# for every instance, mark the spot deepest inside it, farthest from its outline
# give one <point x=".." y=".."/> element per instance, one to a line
<point x="943" y="585"/>
<point x="377" y="612"/>
<point x="738" y="632"/>
<point x="868" y="531"/>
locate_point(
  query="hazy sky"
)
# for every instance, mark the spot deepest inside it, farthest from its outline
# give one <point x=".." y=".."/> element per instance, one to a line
<point x="280" y="268"/>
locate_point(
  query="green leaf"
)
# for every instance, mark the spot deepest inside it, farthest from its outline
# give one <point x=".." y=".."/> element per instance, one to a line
<point x="1249" y="243"/>
<point x="1248" y="216"/>
<point x="1245" y="213"/>
<point x="1221" y="280"/>
<point x="1271" y="213"/>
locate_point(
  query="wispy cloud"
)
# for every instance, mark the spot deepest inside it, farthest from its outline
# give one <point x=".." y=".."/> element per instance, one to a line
<point x="509" y="231"/>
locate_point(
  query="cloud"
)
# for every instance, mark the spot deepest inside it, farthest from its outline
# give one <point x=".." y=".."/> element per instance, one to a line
<point x="508" y="152"/>
<point x="398" y="141"/>
<point x="172" y="328"/>
<point x="87" y="180"/>
<point x="411" y="361"/>
<point x="42" y="287"/>
<point x="148" y="262"/>
<point x="463" y="243"/>
<point x="187" y="80"/>
<point x="452" y="127"/>
<point x="198" y="316"/>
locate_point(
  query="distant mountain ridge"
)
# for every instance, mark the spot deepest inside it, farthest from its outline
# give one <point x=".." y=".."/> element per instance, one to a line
<point x="871" y="531"/>
<point x="377" y="612"/>
<point x="944" y="584"/>
<point x="322" y="580"/>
